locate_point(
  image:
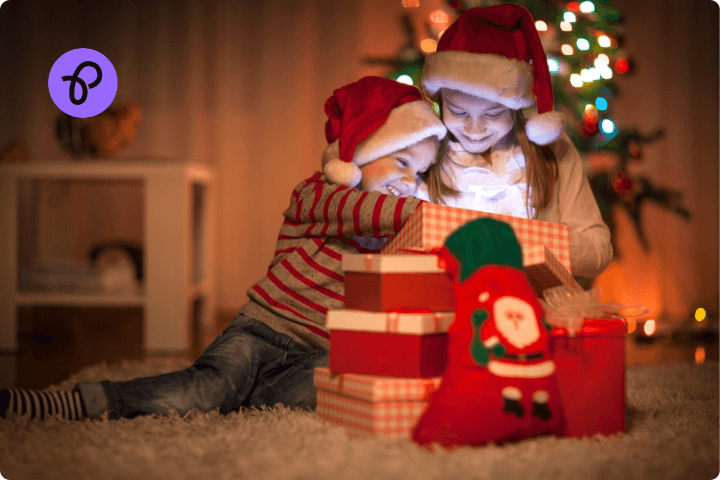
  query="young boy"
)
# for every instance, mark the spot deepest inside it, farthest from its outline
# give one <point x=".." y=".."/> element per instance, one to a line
<point x="381" y="135"/>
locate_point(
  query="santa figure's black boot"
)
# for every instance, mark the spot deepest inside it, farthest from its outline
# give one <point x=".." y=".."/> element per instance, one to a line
<point x="514" y="407"/>
<point x="541" y="411"/>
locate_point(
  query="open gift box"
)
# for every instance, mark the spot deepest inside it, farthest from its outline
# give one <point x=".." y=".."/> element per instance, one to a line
<point x="392" y="344"/>
<point x="590" y="368"/>
<point x="369" y="404"/>
<point x="429" y="226"/>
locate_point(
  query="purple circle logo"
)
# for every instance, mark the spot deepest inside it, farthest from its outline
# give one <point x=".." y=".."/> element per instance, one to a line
<point x="82" y="83"/>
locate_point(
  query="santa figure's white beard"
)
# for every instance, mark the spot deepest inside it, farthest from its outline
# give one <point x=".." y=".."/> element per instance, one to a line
<point x="515" y="320"/>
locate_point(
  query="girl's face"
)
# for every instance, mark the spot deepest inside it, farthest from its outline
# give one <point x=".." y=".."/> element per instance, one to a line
<point x="476" y="123"/>
<point x="397" y="173"/>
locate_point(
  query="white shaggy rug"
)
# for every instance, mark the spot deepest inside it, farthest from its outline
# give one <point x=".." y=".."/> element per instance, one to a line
<point x="672" y="434"/>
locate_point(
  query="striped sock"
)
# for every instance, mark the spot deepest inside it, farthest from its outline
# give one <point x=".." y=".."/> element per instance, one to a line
<point x="42" y="404"/>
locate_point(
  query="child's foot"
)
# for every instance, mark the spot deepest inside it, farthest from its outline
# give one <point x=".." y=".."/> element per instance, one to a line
<point x="42" y="404"/>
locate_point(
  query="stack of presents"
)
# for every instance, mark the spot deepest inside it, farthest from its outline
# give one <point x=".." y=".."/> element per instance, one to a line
<point x="389" y="344"/>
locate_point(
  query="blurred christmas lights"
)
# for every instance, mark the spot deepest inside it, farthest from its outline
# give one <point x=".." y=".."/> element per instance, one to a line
<point x="569" y="17"/>
<point x="567" y="49"/>
<point x="406" y="79"/>
<point x="604" y="41"/>
<point x="565" y="26"/>
<point x="541" y="26"/>
<point x="428" y="45"/>
<point x="587" y="7"/>
<point x="700" y="314"/>
<point x="649" y="328"/>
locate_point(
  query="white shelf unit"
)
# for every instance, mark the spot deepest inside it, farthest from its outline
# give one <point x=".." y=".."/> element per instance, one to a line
<point x="178" y="226"/>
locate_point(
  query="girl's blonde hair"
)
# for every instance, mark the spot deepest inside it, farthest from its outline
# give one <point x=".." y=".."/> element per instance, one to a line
<point x="540" y="161"/>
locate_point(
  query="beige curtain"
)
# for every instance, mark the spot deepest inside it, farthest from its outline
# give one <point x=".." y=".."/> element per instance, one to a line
<point x="240" y="85"/>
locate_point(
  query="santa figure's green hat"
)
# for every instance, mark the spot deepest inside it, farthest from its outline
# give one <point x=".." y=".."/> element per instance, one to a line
<point x="495" y="53"/>
<point x="479" y="243"/>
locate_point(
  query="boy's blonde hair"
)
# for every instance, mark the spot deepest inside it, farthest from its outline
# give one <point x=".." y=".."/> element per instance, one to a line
<point x="540" y="163"/>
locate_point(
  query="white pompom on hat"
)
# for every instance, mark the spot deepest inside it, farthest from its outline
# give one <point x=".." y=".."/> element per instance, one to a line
<point x="370" y="119"/>
<point x="495" y="53"/>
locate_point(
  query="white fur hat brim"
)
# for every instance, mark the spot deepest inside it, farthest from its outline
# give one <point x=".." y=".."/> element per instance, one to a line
<point x="507" y="81"/>
<point x="406" y="125"/>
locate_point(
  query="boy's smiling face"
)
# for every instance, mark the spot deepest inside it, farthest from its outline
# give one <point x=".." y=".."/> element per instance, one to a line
<point x="397" y="173"/>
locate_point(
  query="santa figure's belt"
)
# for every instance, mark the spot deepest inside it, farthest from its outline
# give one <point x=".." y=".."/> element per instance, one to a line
<point x="524" y="356"/>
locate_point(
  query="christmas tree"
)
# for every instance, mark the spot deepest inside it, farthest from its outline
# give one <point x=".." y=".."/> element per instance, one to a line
<point x="584" y="46"/>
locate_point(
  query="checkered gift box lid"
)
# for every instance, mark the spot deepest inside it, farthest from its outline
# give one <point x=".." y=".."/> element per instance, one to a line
<point x="375" y="388"/>
<point x="430" y="224"/>
<point x="390" y="322"/>
<point x="544" y="271"/>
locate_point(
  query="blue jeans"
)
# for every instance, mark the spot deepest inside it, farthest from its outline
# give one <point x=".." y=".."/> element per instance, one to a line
<point x="248" y="365"/>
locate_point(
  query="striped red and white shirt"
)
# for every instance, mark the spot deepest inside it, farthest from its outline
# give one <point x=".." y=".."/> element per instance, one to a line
<point x="305" y="279"/>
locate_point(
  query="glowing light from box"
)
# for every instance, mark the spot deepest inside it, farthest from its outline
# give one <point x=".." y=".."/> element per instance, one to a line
<point x="428" y="45"/>
<point x="405" y="79"/>
<point x="410" y="3"/>
<point x="699" y="355"/>
<point x="607" y="126"/>
<point x="649" y="328"/>
<point x="602" y="59"/>
<point x="569" y="17"/>
<point x="604" y="41"/>
<point x="553" y="65"/>
<point x="439" y="17"/>
<point x="565" y="26"/>
<point x="567" y="49"/>
<point x="601" y="103"/>
<point x="587" y="7"/>
<point x="541" y="26"/>
<point x="700" y="314"/>
<point x="576" y="80"/>
<point x="583" y="44"/>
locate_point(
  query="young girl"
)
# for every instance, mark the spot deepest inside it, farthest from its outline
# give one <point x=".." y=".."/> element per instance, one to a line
<point x="382" y="135"/>
<point x="488" y="66"/>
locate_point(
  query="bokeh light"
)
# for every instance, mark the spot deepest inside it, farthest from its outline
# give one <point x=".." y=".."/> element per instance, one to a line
<point x="406" y="79"/>
<point x="587" y="7"/>
<point x="608" y="126"/>
<point x="576" y="80"/>
<point x="566" y="26"/>
<point x="601" y="103"/>
<point x="569" y="17"/>
<point x="699" y="355"/>
<point x="604" y="41"/>
<point x="700" y="314"/>
<point x="582" y="44"/>
<point x="567" y="49"/>
<point x="428" y="45"/>
<point x="541" y="26"/>
<point x="649" y="328"/>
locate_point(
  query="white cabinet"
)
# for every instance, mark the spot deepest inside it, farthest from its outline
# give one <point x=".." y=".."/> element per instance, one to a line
<point x="177" y="294"/>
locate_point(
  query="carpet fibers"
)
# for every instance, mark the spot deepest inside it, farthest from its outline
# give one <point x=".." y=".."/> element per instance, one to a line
<point x="672" y="433"/>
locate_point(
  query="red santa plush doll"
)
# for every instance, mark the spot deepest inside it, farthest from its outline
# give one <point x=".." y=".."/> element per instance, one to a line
<point x="499" y="383"/>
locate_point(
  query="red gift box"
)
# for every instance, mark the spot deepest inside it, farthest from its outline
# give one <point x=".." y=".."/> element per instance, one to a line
<point x="385" y="283"/>
<point x="414" y="282"/>
<point x="369" y="404"/>
<point x="393" y="344"/>
<point x="590" y="370"/>
<point x="430" y="224"/>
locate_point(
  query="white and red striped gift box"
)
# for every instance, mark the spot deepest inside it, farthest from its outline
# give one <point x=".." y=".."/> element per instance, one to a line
<point x="369" y="404"/>
<point x="430" y="225"/>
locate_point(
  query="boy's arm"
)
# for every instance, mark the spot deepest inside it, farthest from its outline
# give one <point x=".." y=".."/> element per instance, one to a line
<point x="318" y="208"/>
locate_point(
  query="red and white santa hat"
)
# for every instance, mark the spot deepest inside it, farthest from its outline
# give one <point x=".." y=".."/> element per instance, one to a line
<point x="495" y="53"/>
<point x="369" y="119"/>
